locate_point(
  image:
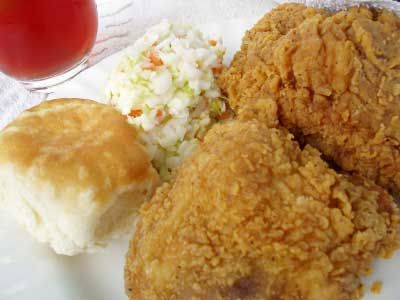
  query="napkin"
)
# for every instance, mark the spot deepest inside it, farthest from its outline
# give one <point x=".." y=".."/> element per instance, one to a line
<point x="14" y="99"/>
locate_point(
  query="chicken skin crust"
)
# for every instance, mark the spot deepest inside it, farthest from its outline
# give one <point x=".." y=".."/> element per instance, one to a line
<point x="333" y="81"/>
<point x="252" y="216"/>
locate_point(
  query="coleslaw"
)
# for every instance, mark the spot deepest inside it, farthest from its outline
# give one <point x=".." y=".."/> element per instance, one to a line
<point x="165" y="85"/>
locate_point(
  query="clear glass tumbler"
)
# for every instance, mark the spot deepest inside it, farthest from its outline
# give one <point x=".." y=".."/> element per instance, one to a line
<point x="46" y="42"/>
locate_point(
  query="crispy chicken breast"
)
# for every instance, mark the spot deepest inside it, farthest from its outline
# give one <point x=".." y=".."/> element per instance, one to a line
<point x="252" y="216"/>
<point x="333" y="81"/>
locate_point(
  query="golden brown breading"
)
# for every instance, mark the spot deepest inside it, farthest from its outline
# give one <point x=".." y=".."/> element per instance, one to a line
<point x="252" y="216"/>
<point x="334" y="80"/>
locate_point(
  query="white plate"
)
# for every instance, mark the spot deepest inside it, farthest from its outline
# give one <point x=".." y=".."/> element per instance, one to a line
<point x="30" y="271"/>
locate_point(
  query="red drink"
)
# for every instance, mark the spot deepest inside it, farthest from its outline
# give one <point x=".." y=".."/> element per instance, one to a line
<point x="41" y="38"/>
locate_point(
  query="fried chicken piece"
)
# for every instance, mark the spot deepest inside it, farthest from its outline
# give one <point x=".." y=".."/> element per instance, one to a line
<point x="332" y="80"/>
<point x="252" y="216"/>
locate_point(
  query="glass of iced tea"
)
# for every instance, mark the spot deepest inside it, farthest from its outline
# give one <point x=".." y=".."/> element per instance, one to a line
<point x="46" y="42"/>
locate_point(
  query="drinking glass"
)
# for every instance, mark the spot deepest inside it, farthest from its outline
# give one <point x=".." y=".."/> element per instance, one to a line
<point x="46" y="42"/>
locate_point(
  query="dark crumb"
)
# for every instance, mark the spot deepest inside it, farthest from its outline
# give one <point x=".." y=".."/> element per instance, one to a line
<point x="376" y="287"/>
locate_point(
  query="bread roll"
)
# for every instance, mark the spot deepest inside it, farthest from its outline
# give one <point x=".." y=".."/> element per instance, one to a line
<point x="73" y="173"/>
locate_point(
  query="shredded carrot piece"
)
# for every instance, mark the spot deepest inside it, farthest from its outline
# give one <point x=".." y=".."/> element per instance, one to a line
<point x="136" y="113"/>
<point x="225" y="115"/>
<point x="217" y="70"/>
<point x="155" y="59"/>
<point x="212" y="42"/>
<point x="159" y="115"/>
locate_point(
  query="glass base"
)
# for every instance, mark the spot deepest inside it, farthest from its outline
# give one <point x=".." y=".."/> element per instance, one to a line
<point x="45" y="85"/>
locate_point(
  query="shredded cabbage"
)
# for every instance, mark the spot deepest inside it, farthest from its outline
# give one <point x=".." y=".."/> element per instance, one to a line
<point x="166" y="87"/>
